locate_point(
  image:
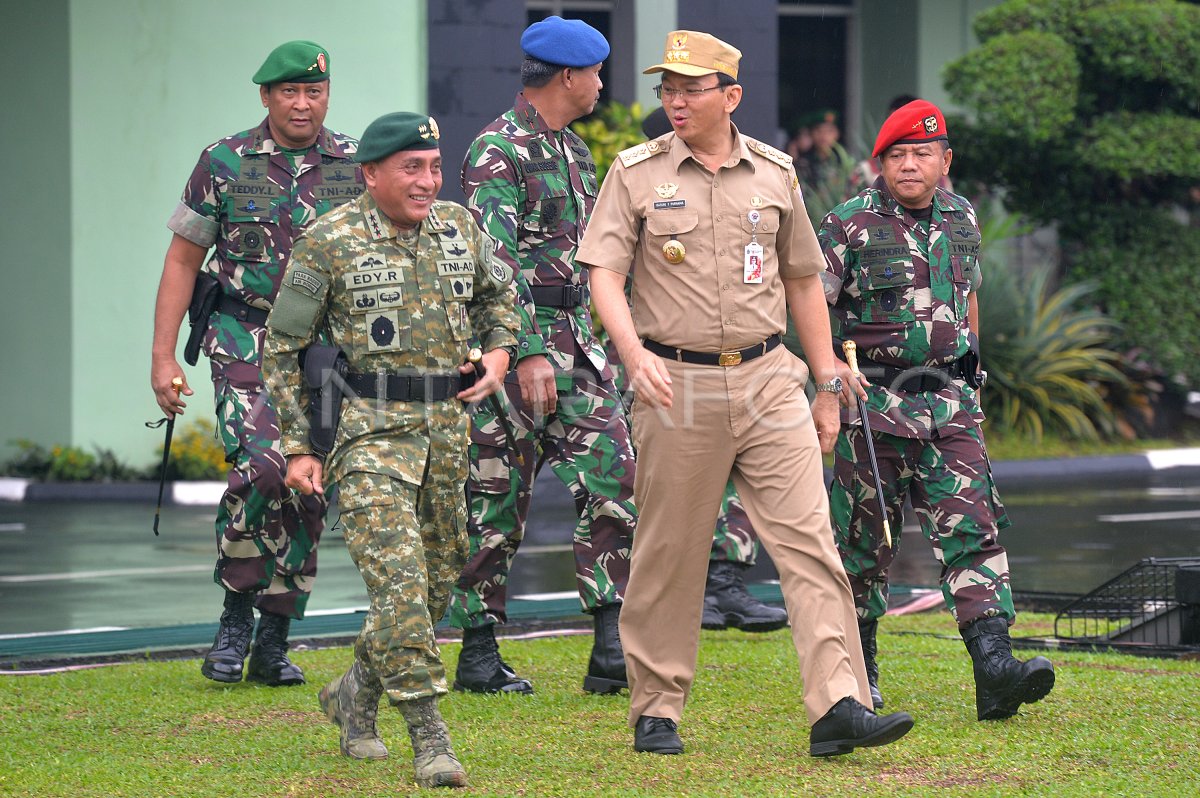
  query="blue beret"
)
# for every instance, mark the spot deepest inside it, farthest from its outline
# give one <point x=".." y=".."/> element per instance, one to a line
<point x="565" y="42"/>
<point x="390" y="133"/>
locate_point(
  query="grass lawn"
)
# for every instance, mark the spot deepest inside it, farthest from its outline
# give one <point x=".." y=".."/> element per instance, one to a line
<point x="1115" y="725"/>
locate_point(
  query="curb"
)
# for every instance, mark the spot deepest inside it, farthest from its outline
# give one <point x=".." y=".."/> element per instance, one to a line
<point x="1063" y="469"/>
<point x="13" y="489"/>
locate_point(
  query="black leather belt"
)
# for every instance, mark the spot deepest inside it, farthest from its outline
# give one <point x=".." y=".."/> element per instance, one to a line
<point x="405" y="387"/>
<point x="559" y="296"/>
<point x="232" y="306"/>
<point x="913" y="379"/>
<point x="714" y="358"/>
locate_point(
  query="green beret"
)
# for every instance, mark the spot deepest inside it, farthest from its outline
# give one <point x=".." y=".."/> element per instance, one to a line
<point x="815" y="118"/>
<point x="402" y="130"/>
<point x="294" y="62"/>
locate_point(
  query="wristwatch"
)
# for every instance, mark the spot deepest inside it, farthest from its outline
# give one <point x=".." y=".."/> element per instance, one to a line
<point x="833" y="386"/>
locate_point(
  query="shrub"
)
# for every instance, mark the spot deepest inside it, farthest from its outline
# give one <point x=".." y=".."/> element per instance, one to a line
<point x="614" y="127"/>
<point x="195" y="453"/>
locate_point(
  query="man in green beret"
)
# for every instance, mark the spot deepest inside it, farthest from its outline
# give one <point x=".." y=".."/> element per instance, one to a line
<point x="403" y="285"/>
<point x="248" y="197"/>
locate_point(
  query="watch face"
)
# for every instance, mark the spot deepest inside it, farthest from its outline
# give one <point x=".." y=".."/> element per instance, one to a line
<point x="836" y="382"/>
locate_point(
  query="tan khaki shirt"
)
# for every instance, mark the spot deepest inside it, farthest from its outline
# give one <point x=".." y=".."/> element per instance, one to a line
<point x="658" y="192"/>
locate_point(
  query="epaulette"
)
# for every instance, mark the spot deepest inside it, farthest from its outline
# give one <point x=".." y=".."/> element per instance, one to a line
<point x="769" y="152"/>
<point x="641" y="152"/>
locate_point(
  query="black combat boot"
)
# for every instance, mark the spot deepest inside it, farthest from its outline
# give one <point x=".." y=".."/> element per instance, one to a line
<point x="606" y="668"/>
<point x="480" y="669"/>
<point x="1002" y="682"/>
<point x="849" y="725"/>
<point x="728" y="603"/>
<point x="223" y="662"/>
<point x="866" y="631"/>
<point x="269" y="662"/>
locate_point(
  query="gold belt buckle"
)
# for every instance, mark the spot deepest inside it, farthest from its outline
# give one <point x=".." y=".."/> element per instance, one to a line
<point x="729" y="359"/>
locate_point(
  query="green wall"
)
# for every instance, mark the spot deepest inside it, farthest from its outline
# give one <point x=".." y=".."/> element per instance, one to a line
<point x="36" y="318"/>
<point x="146" y="85"/>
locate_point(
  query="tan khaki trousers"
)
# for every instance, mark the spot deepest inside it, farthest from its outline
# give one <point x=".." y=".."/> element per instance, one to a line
<point x="751" y="420"/>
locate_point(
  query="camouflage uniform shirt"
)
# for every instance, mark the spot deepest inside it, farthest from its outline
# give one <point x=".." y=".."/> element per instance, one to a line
<point x="899" y="289"/>
<point x="532" y="189"/>
<point x="251" y="198"/>
<point x="395" y="304"/>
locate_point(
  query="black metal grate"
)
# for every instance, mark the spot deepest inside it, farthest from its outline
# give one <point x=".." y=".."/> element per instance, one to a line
<point x="1154" y="604"/>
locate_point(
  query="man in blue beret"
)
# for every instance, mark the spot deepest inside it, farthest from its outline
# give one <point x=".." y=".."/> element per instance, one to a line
<point x="402" y="284"/>
<point x="249" y="196"/>
<point x="530" y="183"/>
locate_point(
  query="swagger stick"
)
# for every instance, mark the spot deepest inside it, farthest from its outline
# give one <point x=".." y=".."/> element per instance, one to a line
<point x="475" y="357"/>
<point x="177" y="385"/>
<point x="851" y="351"/>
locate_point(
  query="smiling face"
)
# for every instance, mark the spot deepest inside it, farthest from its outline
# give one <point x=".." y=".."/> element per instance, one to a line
<point x="295" y="111"/>
<point x="698" y="107"/>
<point x="405" y="184"/>
<point x="912" y="171"/>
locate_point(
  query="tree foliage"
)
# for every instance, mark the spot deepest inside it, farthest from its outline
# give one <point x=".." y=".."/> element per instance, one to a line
<point x="1087" y="114"/>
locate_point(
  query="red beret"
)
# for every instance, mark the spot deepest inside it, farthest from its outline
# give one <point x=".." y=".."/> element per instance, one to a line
<point x="915" y="123"/>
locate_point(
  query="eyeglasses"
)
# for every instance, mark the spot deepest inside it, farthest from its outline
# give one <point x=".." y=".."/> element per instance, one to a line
<point x="661" y="91"/>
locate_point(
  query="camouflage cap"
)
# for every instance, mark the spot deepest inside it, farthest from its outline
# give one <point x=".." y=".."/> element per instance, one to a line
<point x="693" y="53"/>
<point x="298" y="61"/>
<point x="402" y="130"/>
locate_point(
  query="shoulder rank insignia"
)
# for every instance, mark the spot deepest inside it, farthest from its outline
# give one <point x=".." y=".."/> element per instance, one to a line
<point x="641" y="152"/>
<point x="770" y="153"/>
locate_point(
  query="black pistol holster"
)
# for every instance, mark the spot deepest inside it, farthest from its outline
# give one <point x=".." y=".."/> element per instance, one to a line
<point x="969" y="364"/>
<point x="325" y="370"/>
<point x="204" y="301"/>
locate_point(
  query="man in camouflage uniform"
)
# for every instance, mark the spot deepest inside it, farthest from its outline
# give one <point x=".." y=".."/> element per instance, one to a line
<point x="531" y="183"/>
<point x="902" y="271"/>
<point x="401" y="283"/>
<point x="250" y="195"/>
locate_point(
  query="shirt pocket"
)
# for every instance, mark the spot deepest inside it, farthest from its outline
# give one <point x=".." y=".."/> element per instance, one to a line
<point x="886" y="286"/>
<point x="677" y="225"/>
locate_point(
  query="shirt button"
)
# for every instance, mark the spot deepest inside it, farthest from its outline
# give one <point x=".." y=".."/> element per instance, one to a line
<point x="720" y="252"/>
<point x="718" y="218"/>
<point x="725" y="287"/>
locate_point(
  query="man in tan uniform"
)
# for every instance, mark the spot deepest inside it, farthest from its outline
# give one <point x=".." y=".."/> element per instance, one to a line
<point x="720" y="245"/>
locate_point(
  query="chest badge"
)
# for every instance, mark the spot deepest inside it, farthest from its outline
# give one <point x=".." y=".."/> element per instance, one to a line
<point x="674" y="251"/>
<point x="756" y="201"/>
<point x="666" y="190"/>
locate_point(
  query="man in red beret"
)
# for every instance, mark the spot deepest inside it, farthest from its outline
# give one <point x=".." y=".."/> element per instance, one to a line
<point x="901" y="273"/>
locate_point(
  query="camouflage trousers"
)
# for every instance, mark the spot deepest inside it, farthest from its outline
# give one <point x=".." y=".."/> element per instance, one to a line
<point x="586" y="443"/>
<point x="735" y="539"/>
<point x="949" y="482"/>
<point x="266" y="535"/>
<point x="409" y="543"/>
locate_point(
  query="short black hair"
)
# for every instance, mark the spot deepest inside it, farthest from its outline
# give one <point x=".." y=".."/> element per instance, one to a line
<point x="726" y="80"/>
<point x="536" y="73"/>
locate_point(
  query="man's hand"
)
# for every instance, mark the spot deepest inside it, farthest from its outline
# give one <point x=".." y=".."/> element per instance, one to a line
<point x="535" y="375"/>
<point x="851" y="384"/>
<point x="649" y="377"/>
<point x="162" y="372"/>
<point x="495" y="366"/>
<point x="304" y="474"/>
<point x="826" y="417"/>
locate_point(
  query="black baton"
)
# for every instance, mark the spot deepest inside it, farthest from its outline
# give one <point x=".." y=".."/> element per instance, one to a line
<point x="851" y="350"/>
<point x="177" y="385"/>
<point x="475" y="358"/>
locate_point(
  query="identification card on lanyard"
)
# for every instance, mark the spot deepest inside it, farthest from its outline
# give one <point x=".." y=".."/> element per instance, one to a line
<point x="752" y="265"/>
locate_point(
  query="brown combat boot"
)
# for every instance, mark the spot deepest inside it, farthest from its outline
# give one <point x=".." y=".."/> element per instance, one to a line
<point x="351" y="702"/>
<point x="433" y="758"/>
